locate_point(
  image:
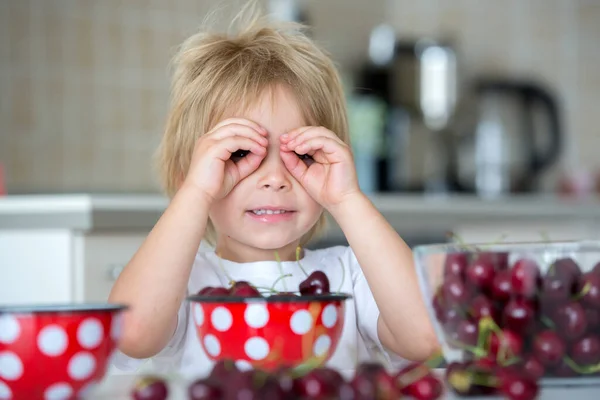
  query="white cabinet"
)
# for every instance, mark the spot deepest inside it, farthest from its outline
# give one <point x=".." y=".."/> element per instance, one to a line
<point x="62" y="266"/>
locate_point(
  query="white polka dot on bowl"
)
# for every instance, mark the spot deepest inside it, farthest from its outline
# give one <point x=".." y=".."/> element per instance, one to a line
<point x="221" y="319"/>
<point x="52" y="340"/>
<point x="11" y="367"/>
<point x="322" y="345"/>
<point x="58" y="391"/>
<point x="256" y="315"/>
<point x="5" y="392"/>
<point x="81" y="366"/>
<point x="198" y="314"/>
<point x="90" y="333"/>
<point x="329" y="316"/>
<point x="9" y="329"/>
<point x="212" y="345"/>
<point x="301" y="322"/>
<point x="256" y="348"/>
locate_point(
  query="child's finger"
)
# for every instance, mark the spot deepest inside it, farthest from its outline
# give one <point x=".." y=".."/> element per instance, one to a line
<point x="230" y="145"/>
<point x="331" y="149"/>
<point x="239" y="130"/>
<point x="239" y="121"/>
<point x="294" y="164"/>
<point x="287" y="137"/>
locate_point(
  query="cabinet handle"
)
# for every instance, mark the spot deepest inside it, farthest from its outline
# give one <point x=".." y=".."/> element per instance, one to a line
<point x="114" y="271"/>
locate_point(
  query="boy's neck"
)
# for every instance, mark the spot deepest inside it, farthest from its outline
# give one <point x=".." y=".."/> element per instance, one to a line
<point x="241" y="253"/>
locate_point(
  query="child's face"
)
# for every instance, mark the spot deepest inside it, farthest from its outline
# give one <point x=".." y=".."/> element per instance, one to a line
<point x="245" y="236"/>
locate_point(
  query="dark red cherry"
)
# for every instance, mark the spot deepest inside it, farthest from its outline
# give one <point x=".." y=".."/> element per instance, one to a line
<point x="506" y="343"/>
<point x="244" y="289"/>
<point x="590" y="283"/>
<point x="455" y="265"/>
<point x="480" y="273"/>
<point x="214" y="291"/>
<point x="525" y="277"/>
<point x="426" y="388"/>
<point x="498" y="259"/>
<point x="481" y="306"/>
<point x="150" y="388"/>
<point x="533" y="367"/>
<point x="314" y="385"/>
<point x="466" y="333"/>
<point x="549" y="348"/>
<point x="501" y="286"/>
<point x="586" y="351"/>
<point x="563" y="370"/>
<point x="565" y="266"/>
<point x="455" y="292"/>
<point x="593" y="319"/>
<point x="316" y="283"/>
<point x="518" y="387"/>
<point x="204" y="389"/>
<point x="570" y="320"/>
<point x="596" y="269"/>
<point x="557" y="288"/>
<point x="519" y="316"/>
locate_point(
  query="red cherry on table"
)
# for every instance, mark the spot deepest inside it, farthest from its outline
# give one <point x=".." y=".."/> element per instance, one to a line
<point x="525" y="277"/>
<point x="204" y="389"/>
<point x="518" y="387"/>
<point x="533" y="367"/>
<point x="549" y="348"/>
<point x="426" y="388"/>
<point x="150" y="388"/>
<point x="316" y="283"/>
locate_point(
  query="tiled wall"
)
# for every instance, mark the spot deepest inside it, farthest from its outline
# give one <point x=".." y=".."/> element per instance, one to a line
<point x="83" y="83"/>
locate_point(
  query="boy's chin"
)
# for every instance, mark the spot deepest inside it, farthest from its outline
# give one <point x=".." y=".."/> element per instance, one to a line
<point x="270" y="242"/>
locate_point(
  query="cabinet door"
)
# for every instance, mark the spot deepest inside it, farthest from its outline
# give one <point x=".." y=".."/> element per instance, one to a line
<point x="99" y="259"/>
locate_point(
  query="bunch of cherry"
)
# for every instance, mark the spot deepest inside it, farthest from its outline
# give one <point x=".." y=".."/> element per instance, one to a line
<point x="316" y="283"/>
<point x="370" y="381"/>
<point x="517" y="324"/>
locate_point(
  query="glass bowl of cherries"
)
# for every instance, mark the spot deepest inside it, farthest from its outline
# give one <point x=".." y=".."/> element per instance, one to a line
<point x="294" y="329"/>
<point x="531" y="308"/>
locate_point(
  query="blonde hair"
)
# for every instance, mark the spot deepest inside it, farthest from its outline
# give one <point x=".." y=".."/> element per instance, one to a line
<point x="215" y="73"/>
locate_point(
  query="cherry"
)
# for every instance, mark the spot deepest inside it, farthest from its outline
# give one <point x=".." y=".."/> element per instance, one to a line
<point x="590" y="282"/>
<point x="482" y="306"/>
<point x="458" y="376"/>
<point x="593" y="318"/>
<point x="204" y="389"/>
<point x="507" y="343"/>
<point x="525" y="277"/>
<point x="558" y="287"/>
<point x="466" y="333"/>
<point x="480" y="273"/>
<point x="242" y="387"/>
<point x="222" y="371"/>
<point x="549" y="348"/>
<point x="517" y="387"/>
<point x="499" y="259"/>
<point x="519" y="316"/>
<point x="313" y="385"/>
<point x="382" y="385"/>
<point x="456" y="293"/>
<point x="271" y="390"/>
<point x="501" y="286"/>
<point x="346" y="392"/>
<point x="570" y="320"/>
<point x="214" y="291"/>
<point x="533" y="367"/>
<point x="596" y="269"/>
<point x="455" y="265"/>
<point x="316" y="283"/>
<point x="563" y="370"/>
<point x="567" y="267"/>
<point x="426" y="388"/>
<point x="244" y="289"/>
<point x="150" y="388"/>
<point x="586" y="351"/>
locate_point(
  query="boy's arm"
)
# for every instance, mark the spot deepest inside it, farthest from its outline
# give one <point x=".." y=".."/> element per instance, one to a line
<point x="387" y="263"/>
<point x="154" y="282"/>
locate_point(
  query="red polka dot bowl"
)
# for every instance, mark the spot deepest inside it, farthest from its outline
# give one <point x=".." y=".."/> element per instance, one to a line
<point x="269" y="332"/>
<point x="56" y="352"/>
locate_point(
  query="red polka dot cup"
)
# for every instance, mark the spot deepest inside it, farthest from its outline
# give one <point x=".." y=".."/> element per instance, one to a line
<point x="269" y="332"/>
<point x="55" y="352"/>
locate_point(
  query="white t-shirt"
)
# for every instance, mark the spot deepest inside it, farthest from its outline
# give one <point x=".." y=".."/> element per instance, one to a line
<point x="359" y="341"/>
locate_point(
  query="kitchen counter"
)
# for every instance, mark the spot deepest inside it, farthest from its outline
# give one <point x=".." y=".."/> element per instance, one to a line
<point x="89" y="212"/>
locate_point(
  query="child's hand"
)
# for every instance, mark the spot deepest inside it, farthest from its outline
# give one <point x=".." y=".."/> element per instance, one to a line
<point x="321" y="162"/>
<point x="231" y="151"/>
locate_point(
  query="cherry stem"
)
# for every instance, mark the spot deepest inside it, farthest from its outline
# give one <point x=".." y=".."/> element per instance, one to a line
<point x="280" y="269"/>
<point x="298" y="249"/>
<point x="278" y="279"/>
<point x="547" y="321"/>
<point x="588" y="369"/>
<point x="267" y="289"/>
<point x="343" y="275"/>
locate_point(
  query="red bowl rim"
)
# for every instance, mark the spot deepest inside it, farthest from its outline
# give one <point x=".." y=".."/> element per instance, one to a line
<point x="60" y="308"/>
<point x="322" y="298"/>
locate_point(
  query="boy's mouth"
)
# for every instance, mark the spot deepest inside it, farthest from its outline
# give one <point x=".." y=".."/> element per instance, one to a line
<point x="269" y="211"/>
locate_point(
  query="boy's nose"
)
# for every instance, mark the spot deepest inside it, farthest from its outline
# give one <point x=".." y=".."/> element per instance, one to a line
<point x="273" y="174"/>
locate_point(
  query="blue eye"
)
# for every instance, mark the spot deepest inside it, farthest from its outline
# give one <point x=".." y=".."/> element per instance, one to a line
<point x="308" y="159"/>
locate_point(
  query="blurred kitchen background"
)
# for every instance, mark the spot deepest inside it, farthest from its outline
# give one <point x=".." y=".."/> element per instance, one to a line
<point x="478" y="117"/>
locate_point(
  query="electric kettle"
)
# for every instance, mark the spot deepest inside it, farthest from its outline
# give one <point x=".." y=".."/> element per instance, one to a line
<point x="515" y="137"/>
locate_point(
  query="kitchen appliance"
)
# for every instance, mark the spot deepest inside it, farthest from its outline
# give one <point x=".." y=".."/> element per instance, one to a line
<point x="418" y="80"/>
<point x="514" y="137"/>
